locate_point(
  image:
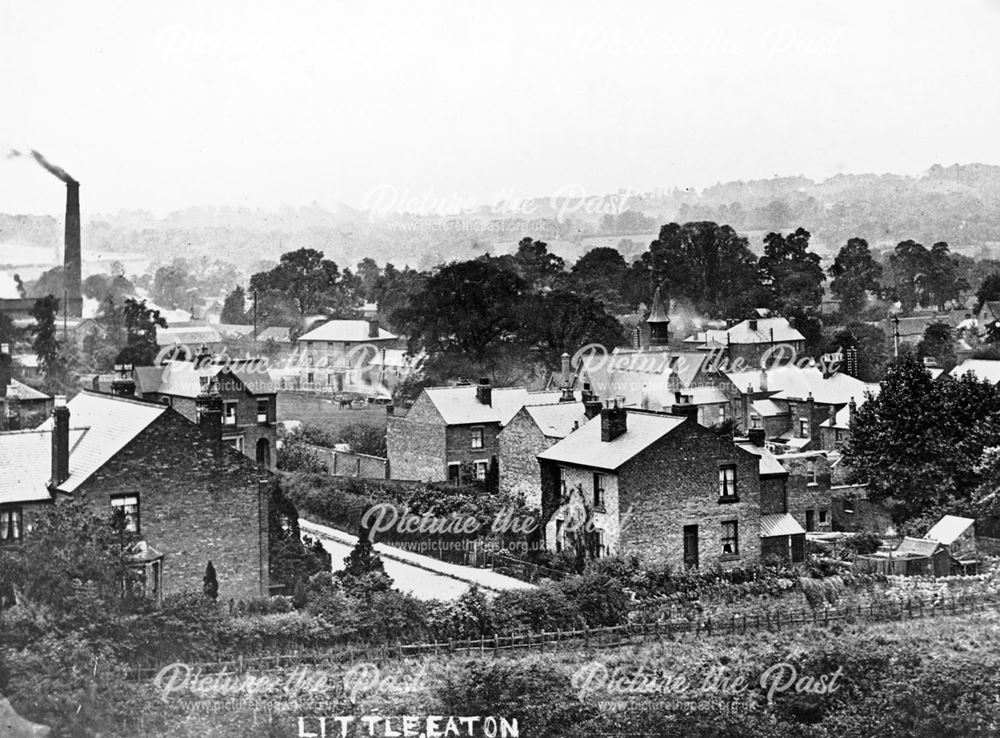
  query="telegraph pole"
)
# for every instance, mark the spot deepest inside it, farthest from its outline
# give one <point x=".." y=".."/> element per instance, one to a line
<point x="895" y="336"/>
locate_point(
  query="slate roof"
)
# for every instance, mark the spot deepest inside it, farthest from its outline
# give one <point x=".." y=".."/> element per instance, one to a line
<point x="355" y="331"/>
<point x="276" y="333"/>
<point x="769" y="465"/>
<point x="557" y="421"/>
<point x="779" y="524"/>
<point x="948" y="529"/>
<point x="100" y="427"/>
<point x="776" y="330"/>
<point x="191" y="335"/>
<point x="181" y="379"/>
<point x="584" y="447"/>
<point x="792" y="382"/>
<point x="459" y="406"/>
<point x="767" y="408"/>
<point x="983" y="369"/>
<point x="23" y="392"/>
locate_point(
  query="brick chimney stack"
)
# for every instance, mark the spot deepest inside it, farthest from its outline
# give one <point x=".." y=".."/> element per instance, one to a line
<point x="373" y="328"/>
<point x="60" y="442"/>
<point x="71" y="253"/>
<point x="484" y="391"/>
<point x="614" y="420"/>
<point x="756" y="436"/>
<point x="208" y="405"/>
<point x="683" y="406"/>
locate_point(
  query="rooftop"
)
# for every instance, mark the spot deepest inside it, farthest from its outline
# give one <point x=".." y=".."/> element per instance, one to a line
<point x="100" y="426"/>
<point x="779" y="524"/>
<point x="949" y="528"/>
<point x="459" y="406"/>
<point x="23" y="392"/>
<point x="791" y="382"/>
<point x="982" y="369"/>
<point x="765" y="330"/>
<point x="347" y="331"/>
<point x="558" y="420"/>
<point x="584" y="447"/>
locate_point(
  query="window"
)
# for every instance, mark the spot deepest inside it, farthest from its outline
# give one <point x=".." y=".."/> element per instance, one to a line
<point x="128" y="507"/>
<point x="229" y="413"/>
<point x="730" y="538"/>
<point x="10" y="525"/>
<point x="755" y="422"/>
<point x="481" y="468"/>
<point x="562" y="480"/>
<point x="722" y="413"/>
<point x="727" y="483"/>
<point x="262" y="411"/>
<point x="803" y="428"/>
<point x="477" y="437"/>
<point x="812" y="472"/>
<point x="822" y="516"/>
<point x="599" y="491"/>
<point x="236" y="442"/>
<point x="309" y="376"/>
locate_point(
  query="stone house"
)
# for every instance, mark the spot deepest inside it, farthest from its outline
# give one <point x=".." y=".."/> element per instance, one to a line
<point x="658" y="486"/>
<point x="752" y="342"/>
<point x="450" y="434"/>
<point x="781" y="536"/>
<point x="187" y="497"/>
<point x="333" y="356"/>
<point x="809" y="483"/>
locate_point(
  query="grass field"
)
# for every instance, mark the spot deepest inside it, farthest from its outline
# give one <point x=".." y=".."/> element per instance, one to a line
<point x="324" y="412"/>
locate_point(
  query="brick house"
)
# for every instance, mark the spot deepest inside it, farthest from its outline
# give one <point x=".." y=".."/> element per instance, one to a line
<point x="249" y="400"/>
<point x="188" y="497"/>
<point x="450" y="433"/>
<point x="655" y="485"/>
<point x="530" y="432"/>
<point x="809" y="482"/>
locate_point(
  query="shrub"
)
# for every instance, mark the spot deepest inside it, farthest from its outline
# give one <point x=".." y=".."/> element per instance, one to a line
<point x="470" y="616"/>
<point x="543" y="608"/>
<point x="864" y="543"/>
<point x="599" y="598"/>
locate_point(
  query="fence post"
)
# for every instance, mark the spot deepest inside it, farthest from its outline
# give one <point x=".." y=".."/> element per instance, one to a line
<point x="586" y="636"/>
<point x="496" y="644"/>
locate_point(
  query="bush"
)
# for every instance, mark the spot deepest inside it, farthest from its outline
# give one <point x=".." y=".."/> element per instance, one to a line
<point x="599" y="598"/>
<point x="864" y="543"/>
<point x="470" y="616"/>
<point x="543" y="608"/>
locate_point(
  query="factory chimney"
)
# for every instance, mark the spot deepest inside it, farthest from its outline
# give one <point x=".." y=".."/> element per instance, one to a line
<point x="71" y="255"/>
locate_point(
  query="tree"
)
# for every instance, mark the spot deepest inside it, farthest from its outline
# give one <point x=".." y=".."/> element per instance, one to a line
<point x="305" y="280"/>
<point x="536" y="266"/>
<point x="564" y="321"/>
<point x="210" y="585"/>
<point x="234" y="307"/>
<point x="910" y="262"/>
<point x="790" y="272"/>
<point x="46" y="345"/>
<point x="871" y="344"/>
<point x="140" y="323"/>
<point x="466" y="307"/>
<point x="989" y="290"/>
<point x="918" y="442"/>
<point x="855" y="273"/>
<point x="599" y="274"/>
<point x="709" y="265"/>
<point x="172" y="286"/>
<point x="364" y="572"/>
<point x="942" y="282"/>
<point x="938" y="343"/>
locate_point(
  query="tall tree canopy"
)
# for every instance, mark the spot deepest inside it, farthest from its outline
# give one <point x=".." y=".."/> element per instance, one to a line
<point x="919" y="441"/>
<point x="304" y="282"/>
<point x="46" y="344"/>
<point x="790" y="272"/>
<point x="708" y="264"/>
<point x="468" y="307"/>
<point x="855" y="273"/>
<point x="563" y="321"/>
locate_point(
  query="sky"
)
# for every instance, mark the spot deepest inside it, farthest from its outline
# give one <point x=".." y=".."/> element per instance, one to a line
<point x="411" y="105"/>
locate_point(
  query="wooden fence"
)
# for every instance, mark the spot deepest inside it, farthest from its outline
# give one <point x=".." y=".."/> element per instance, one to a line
<point x="609" y="637"/>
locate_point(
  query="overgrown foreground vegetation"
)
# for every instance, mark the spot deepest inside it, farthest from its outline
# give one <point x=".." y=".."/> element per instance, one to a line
<point x="75" y="631"/>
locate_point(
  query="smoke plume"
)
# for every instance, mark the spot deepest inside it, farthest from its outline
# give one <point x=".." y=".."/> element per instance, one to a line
<point x="45" y="164"/>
